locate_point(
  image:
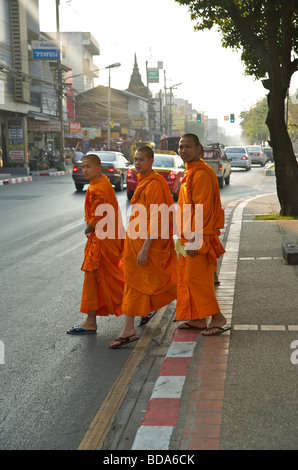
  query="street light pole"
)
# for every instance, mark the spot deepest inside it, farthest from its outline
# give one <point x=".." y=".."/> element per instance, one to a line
<point x="112" y="66"/>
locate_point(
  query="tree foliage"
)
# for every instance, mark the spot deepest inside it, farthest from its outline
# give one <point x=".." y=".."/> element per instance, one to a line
<point x="246" y="25"/>
<point x="253" y="125"/>
<point x="266" y="33"/>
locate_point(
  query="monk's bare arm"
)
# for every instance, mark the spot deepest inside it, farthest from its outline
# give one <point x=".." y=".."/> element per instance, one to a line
<point x="143" y="255"/>
<point x="89" y="229"/>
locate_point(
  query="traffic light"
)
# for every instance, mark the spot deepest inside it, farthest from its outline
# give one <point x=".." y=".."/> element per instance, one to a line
<point x="199" y="117"/>
<point x="232" y="117"/>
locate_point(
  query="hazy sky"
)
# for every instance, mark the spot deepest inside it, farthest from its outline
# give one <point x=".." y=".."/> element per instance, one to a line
<point x="212" y="77"/>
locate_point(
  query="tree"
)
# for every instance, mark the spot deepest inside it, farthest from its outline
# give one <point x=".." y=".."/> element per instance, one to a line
<point x="266" y="31"/>
<point x="253" y="123"/>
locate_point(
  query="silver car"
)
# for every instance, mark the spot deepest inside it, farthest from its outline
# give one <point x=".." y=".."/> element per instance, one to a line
<point x="257" y="155"/>
<point x="238" y="157"/>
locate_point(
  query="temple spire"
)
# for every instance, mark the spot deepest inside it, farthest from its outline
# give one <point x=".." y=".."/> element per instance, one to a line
<point x="136" y="85"/>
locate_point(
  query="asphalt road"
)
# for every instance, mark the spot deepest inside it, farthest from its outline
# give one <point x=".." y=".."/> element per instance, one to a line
<point x="52" y="384"/>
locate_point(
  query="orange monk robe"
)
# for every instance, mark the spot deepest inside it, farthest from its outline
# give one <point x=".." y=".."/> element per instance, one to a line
<point x="151" y="286"/>
<point x="195" y="286"/>
<point x="103" y="261"/>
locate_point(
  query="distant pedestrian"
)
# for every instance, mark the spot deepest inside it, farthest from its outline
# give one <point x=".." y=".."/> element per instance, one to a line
<point x="104" y="280"/>
<point x="78" y="155"/>
<point x="196" y="298"/>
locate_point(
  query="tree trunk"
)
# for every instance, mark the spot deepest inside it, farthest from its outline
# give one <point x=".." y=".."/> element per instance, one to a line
<point x="286" y="167"/>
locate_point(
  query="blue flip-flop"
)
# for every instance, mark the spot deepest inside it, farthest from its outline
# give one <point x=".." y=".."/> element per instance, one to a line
<point x="145" y="320"/>
<point x="78" y="330"/>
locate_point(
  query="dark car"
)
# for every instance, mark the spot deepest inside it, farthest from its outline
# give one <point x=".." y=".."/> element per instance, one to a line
<point x="113" y="164"/>
<point x="166" y="163"/>
<point x="269" y="153"/>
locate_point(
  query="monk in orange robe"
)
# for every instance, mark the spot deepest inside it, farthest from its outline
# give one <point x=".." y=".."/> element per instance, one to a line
<point x="103" y="259"/>
<point x="196" y="298"/>
<point x="150" y="259"/>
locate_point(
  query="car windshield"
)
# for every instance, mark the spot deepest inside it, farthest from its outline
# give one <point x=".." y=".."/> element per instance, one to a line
<point x="163" y="161"/>
<point x="107" y="157"/>
<point x="254" y="149"/>
<point x="235" y="150"/>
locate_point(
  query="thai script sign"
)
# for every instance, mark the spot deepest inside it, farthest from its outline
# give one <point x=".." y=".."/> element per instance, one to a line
<point x="45" y="50"/>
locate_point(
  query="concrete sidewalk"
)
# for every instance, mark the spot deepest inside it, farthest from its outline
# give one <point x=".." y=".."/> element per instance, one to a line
<point x="237" y="390"/>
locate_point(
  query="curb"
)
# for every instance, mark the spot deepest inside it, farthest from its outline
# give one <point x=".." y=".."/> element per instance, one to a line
<point x="269" y="172"/>
<point x="51" y="173"/>
<point x="15" y="180"/>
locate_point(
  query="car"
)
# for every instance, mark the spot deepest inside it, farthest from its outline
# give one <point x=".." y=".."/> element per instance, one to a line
<point x="238" y="157"/>
<point x="269" y="153"/>
<point x="168" y="164"/>
<point x="215" y="156"/>
<point x="257" y="155"/>
<point x="113" y="164"/>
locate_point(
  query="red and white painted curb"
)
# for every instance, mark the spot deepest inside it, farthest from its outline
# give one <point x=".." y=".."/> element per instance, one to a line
<point x="162" y="412"/>
<point x="23" y="179"/>
<point x="52" y="173"/>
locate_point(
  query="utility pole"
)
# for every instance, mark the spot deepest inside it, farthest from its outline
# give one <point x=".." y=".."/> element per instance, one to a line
<point x="149" y="104"/>
<point x="166" y="107"/>
<point x="60" y="88"/>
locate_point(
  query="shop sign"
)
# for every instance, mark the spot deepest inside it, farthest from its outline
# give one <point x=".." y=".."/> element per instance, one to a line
<point x="85" y="133"/>
<point x="45" y="50"/>
<point x="138" y="123"/>
<point x="69" y="95"/>
<point x="15" y="140"/>
<point x="50" y="126"/>
<point x="75" y="127"/>
<point x="33" y="126"/>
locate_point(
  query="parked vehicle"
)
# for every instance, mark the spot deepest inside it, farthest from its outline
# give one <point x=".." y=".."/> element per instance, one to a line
<point x="269" y="153"/>
<point x="257" y="155"/>
<point x="170" y="143"/>
<point x="238" y="157"/>
<point x="113" y="164"/>
<point x="166" y="163"/>
<point x="215" y="157"/>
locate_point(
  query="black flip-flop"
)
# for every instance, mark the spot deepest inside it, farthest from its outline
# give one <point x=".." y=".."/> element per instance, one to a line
<point x="189" y="327"/>
<point x="145" y="320"/>
<point x="123" y="341"/>
<point x="219" y="332"/>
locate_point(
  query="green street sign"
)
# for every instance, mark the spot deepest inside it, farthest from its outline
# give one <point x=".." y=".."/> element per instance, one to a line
<point x="153" y="76"/>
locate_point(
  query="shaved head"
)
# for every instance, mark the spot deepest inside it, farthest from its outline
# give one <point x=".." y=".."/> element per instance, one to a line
<point x="147" y="150"/>
<point x="93" y="157"/>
